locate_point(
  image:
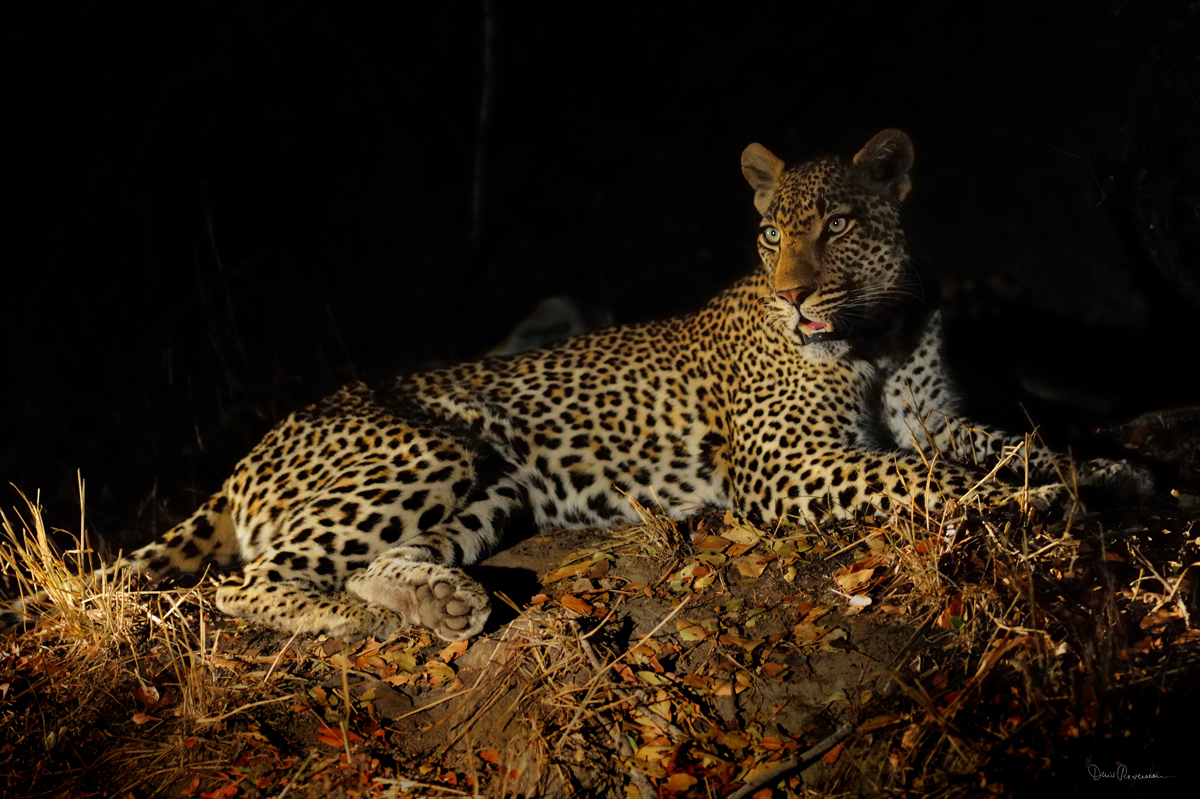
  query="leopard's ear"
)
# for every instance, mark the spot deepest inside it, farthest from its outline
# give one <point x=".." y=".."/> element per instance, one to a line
<point x="887" y="159"/>
<point x="762" y="170"/>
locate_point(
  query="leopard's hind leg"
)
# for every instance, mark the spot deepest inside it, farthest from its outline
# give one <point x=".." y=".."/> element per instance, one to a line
<point x="419" y="578"/>
<point x="204" y="539"/>
<point x="300" y="605"/>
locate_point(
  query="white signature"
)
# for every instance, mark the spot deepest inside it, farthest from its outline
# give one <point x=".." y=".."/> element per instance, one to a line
<point x="1122" y="773"/>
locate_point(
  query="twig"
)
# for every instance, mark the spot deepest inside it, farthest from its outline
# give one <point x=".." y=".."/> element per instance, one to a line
<point x="235" y="711"/>
<point x="853" y="544"/>
<point x="278" y="658"/>
<point x="793" y="763"/>
<point x="434" y="703"/>
<point x="296" y="774"/>
<point x="347" y="708"/>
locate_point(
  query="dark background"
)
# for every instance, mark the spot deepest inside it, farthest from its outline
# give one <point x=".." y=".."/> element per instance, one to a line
<point x="215" y="220"/>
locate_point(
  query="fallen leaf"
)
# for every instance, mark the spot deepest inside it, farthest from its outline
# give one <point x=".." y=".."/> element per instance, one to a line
<point x="573" y="570"/>
<point x="752" y="565"/>
<point x="710" y="543"/>
<point x="655" y="753"/>
<point x="454" y="650"/>
<point x="733" y="740"/>
<point x="439" y="673"/>
<point x="574" y="603"/>
<point x="773" y="670"/>
<point x="808" y="633"/>
<point x="696" y="630"/>
<point x="833" y="754"/>
<point x="332" y="736"/>
<point x="747" y="644"/>
<point x="680" y="782"/>
<point x="852" y="581"/>
<point x="879" y="722"/>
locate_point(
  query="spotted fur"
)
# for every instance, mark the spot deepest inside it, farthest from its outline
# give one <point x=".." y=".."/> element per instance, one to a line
<point x="813" y="386"/>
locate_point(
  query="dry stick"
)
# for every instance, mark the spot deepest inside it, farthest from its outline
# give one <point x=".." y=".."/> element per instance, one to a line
<point x="793" y="763"/>
<point x="853" y="544"/>
<point x="346" y="707"/>
<point x="278" y="658"/>
<point x="235" y="711"/>
<point x="312" y="753"/>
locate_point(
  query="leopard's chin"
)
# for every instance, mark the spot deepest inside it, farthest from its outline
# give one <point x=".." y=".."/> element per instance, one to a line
<point x="816" y="337"/>
<point x="825" y="349"/>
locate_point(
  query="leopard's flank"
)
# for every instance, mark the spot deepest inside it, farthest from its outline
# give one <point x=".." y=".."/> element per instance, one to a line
<point x="812" y="386"/>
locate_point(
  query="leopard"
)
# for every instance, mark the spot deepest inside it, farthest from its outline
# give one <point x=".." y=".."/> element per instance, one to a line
<point x="814" y="386"/>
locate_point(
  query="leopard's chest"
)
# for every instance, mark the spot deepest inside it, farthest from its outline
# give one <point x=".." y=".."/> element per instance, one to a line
<point x="793" y="415"/>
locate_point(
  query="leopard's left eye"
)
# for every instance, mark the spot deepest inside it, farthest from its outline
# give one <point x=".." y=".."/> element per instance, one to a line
<point x="839" y="224"/>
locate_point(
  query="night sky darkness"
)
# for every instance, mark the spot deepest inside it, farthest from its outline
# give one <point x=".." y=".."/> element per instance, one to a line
<point x="215" y="220"/>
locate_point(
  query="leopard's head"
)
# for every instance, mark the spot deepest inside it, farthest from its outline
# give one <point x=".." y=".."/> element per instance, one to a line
<point x="832" y="242"/>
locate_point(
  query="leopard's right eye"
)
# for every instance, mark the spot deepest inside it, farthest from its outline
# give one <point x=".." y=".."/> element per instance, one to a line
<point x="771" y="235"/>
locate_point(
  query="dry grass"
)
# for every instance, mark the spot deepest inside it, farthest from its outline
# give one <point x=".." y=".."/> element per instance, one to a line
<point x="61" y="585"/>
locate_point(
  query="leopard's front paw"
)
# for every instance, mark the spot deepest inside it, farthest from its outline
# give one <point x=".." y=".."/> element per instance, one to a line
<point x="1054" y="496"/>
<point x="1127" y="479"/>
<point x="442" y="598"/>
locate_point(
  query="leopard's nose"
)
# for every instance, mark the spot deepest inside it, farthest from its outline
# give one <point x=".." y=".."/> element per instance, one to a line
<point x="795" y="296"/>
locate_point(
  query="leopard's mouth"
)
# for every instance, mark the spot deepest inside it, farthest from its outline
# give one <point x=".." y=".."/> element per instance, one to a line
<point x="812" y="332"/>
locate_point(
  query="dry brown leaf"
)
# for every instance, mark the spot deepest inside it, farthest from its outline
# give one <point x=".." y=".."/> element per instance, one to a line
<point x="880" y="721"/>
<point x="452" y="651"/>
<point x="679" y="783"/>
<point x="574" y="603"/>
<point x="833" y="754"/>
<point x="752" y="565"/>
<point x="852" y="581"/>
<point x="733" y="740"/>
<point x="573" y="570"/>
<point x="710" y="543"/>
<point x="696" y="630"/>
<point x="773" y="670"/>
